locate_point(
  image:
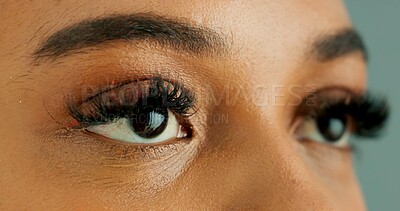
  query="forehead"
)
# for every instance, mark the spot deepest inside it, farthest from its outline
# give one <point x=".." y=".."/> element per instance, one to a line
<point x="264" y="33"/>
<point x="239" y="18"/>
<point x="256" y="25"/>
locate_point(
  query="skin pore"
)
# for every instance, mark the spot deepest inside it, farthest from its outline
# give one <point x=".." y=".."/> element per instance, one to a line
<point x="249" y="64"/>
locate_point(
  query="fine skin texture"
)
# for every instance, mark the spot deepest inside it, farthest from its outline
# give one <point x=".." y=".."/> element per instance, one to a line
<point x="242" y="154"/>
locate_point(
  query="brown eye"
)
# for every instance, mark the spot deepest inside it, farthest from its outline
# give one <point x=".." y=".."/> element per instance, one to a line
<point x="325" y="129"/>
<point x="331" y="129"/>
<point x="146" y="127"/>
<point x="149" y="123"/>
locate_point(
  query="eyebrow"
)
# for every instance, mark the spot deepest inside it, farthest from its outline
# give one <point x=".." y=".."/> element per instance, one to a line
<point x="138" y="27"/>
<point x="330" y="47"/>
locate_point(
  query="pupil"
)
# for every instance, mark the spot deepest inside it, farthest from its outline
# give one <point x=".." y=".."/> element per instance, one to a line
<point x="149" y="123"/>
<point x="332" y="128"/>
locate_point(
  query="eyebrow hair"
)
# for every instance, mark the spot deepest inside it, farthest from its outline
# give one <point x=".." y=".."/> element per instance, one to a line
<point x="146" y="27"/>
<point x="340" y="44"/>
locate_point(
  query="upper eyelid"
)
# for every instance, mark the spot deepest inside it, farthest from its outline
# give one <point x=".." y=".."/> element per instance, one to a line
<point x="76" y="112"/>
<point x="315" y="95"/>
<point x="98" y="90"/>
<point x="369" y="112"/>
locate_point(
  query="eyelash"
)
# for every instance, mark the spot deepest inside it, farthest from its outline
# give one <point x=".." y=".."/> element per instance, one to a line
<point x="154" y="92"/>
<point x="368" y="112"/>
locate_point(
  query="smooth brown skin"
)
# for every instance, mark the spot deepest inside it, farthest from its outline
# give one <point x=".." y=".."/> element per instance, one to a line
<point x="249" y="161"/>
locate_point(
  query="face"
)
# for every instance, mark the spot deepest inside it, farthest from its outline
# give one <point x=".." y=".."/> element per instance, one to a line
<point x="181" y="105"/>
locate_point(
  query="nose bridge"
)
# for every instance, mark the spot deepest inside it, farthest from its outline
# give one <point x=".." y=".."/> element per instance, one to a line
<point x="281" y="179"/>
<point x="252" y="158"/>
<point x="274" y="173"/>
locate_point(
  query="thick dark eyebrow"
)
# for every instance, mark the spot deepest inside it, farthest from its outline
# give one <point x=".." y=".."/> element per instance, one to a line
<point x="146" y="27"/>
<point x="344" y="42"/>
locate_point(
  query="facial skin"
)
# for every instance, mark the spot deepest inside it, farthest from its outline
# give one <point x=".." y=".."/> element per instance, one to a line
<point x="242" y="154"/>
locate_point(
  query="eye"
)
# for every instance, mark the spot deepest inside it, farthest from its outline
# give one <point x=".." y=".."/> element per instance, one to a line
<point x="147" y="126"/>
<point x="149" y="111"/>
<point x="325" y="129"/>
<point x="333" y="115"/>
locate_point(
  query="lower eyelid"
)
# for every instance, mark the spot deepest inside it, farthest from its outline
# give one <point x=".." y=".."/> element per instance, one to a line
<point x="108" y="149"/>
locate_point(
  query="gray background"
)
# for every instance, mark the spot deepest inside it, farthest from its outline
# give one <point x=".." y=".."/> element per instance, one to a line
<point x="378" y="163"/>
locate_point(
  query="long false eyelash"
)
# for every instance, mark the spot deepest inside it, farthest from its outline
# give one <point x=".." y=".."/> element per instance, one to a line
<point x="124" y="100"/>
<point x="369" y="112"/>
